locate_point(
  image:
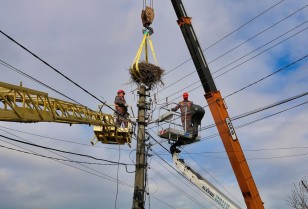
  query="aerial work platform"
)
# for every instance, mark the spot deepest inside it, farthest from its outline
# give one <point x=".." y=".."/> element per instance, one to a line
<point x="174" y="132"/>
<point x="178" y="135"/>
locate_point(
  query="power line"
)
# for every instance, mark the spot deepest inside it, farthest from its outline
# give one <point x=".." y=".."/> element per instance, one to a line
<point x="259" y="80"/>
<point x="243" y="115"/>
<point x="260" y="32"/>
<point x="230" y="33"/>
<point x="260" y="158"/>
<point x="60" y="159"/>
<point x="257" y="120"/>
<point x="167" y="162"/>
<point x="188" y="185"/>
<point x="245" y="150"/>
<point x="212" y="177"/>
<point x="269" y="106"/>
<point x="225" y="53"/>
<point x="246" y="23"/>
<point x="178" y="188"/>
<point x="62" y="140"/>
<point x="271" y="115"/>
<point x="262" y="119"/>
<point x="243" y="125"/>
<point x="5" y="64"/>
<point x="267" y="44"/>
<point x="57" y="150"/>
<point x="73" y="161"/>
<point x="196" y="162"/>
<point x="100" y="174"/>
<point x="245" y="61"/>
<point x="57" y="71"/>
<point x="170" y="206"/>
<point x="117" y="189"/>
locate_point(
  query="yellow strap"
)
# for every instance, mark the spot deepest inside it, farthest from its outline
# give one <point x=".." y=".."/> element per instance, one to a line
<point x="146" y="38"/>
<point x="137" y="58"/>
<point x="140" y="48"/>
<point x="152" y="49"/>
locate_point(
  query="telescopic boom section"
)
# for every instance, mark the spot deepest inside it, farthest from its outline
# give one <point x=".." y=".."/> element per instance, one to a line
<point x="219" y="112"/>
<point x="20" y="104"/>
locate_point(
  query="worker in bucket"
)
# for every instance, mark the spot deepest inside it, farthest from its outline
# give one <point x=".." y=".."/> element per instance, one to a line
<point x="185" y="107"/>
<point x="121" y="106"/>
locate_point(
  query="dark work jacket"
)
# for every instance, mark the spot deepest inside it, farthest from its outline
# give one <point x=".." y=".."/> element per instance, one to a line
<point x="120" y="105"/>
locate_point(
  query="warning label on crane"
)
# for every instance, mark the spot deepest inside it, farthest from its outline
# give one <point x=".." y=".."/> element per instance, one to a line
<point x="231" y="129"/>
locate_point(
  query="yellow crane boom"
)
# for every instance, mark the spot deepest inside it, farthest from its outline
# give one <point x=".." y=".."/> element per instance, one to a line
<point x="20" y="104"/>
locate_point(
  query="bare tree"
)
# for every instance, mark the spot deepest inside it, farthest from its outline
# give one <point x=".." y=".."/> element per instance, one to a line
<point x="299" y="197"/>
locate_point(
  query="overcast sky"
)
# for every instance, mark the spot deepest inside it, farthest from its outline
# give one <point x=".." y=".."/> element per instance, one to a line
<point x="94" y="43"/>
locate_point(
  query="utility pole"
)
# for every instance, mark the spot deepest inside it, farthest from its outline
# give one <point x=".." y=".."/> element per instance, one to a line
<point x="141" y="164"/>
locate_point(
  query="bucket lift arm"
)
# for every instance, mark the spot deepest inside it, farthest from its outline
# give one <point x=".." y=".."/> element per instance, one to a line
<point x="205" y="186"/>
<point x="219" y="111"/>
<point x="20" y="104"/>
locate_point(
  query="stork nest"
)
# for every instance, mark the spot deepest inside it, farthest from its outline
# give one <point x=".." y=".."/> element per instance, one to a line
<point x="148" y="74"/>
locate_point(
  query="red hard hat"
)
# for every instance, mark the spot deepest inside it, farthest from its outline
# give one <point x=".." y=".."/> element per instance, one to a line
<point x="121" y="91"/>
<point x="185" y="95"/>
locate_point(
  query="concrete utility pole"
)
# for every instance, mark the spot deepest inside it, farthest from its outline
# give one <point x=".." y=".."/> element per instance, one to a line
<point x="141" y="164"/>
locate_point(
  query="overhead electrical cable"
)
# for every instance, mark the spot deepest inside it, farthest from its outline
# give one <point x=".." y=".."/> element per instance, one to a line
<point x="181" y="174"/>
<point x="101" y="175"/>
<point x="258" y="158"/>
<point x="245" y="150"/>
<point x="257" y="120"/>
<point x="217" y="182"/>
<point x="117" y="188"/>
<point x="57" y="71"/>
<point x="36" y="80"/>
<point x="257" y="81"/>
<point x="170" y="206"/>
<point x="242" y="125"/>
<point x="166" y="161"/>
<point x="60" y="159"/>
<point x="193" y="199"/>
<point x="195" y="189"/>
<point x="242" y="43"/>
<point x="66" y="160"/>
<point x="264" y="30"/>
<point x="62" y="140"/>
<point x="245" y="61"/>
<point x="63" y="151"/>
<point x="107" y="177"/>
<point x="243" y="115"/>
<point x="230" y="33"/>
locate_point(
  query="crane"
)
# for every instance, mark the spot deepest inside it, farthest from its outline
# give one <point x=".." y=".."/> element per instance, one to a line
<point x="20" y="104"/>
<point x="219" y="112"/>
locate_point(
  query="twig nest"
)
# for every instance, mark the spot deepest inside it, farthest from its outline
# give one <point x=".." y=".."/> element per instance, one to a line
<point x="148" y="74"/>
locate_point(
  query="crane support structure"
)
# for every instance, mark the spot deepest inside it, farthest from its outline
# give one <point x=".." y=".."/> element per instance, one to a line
<point x="20" y="104"/>
<point x="219" y="112"/>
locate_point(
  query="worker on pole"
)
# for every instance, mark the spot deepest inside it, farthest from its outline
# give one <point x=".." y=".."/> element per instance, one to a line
<point x="121" y="106"/>
<point x="185" y="107"/>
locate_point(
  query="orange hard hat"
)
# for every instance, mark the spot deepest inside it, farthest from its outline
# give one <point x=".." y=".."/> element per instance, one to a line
<point x="185" y="95"/>
<point x="121" y="91"/>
